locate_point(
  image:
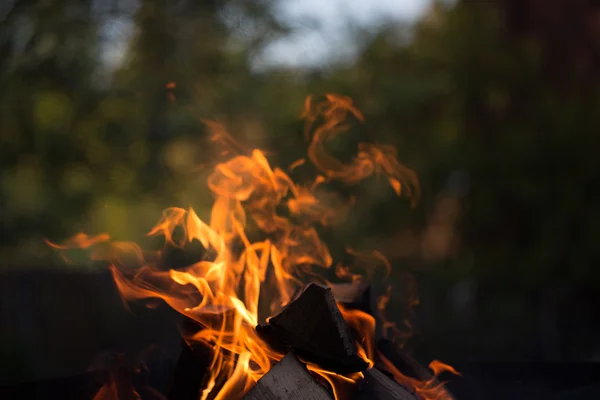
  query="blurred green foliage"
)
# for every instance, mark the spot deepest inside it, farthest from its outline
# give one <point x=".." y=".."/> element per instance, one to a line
<point x="498" y="119"/>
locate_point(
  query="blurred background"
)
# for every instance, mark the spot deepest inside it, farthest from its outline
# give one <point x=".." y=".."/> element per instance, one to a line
<point x="495" y="104"/>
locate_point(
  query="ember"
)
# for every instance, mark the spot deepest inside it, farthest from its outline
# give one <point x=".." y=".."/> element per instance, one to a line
<point x="261" y="244"/>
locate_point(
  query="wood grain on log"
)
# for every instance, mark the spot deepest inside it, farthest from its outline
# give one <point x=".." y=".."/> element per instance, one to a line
<point x="288" y="380"/>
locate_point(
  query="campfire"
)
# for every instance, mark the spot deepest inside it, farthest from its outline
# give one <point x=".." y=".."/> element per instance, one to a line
<point x="263" y="320"/>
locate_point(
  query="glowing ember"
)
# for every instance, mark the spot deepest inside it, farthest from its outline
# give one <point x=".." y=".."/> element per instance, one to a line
<point x="260" y="241"/>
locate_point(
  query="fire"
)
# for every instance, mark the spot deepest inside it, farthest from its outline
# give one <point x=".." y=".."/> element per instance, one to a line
<point x="429" y="389"/>
<point x="261" y="241"/>
<point x="370" y="158"/>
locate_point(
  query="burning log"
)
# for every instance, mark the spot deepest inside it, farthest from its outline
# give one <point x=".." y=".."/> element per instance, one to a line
<point x="288" y="380"/>
<point x="220" y="286"/>
<point x="401" y="360"/>
<point x="390" y="357"/>
<point x="378" y="386"/>
<point x="313" y="327"/>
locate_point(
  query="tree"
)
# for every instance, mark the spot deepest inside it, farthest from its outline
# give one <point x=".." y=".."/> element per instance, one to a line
<point x="48" y="55"/>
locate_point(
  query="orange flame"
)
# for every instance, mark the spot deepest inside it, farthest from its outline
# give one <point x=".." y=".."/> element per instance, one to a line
<point x="370" y="159"/>
<point x="256" y="252"/>
<point x="430" y="389"/>
<point x="363" y="325"/>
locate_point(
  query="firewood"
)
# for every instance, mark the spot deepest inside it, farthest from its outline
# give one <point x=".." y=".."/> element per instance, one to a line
<point x="403" y="361"/>
<point x="288" y="380"/>
<point x="378" y="386"/>
<point x="313" y="327"/>
<point x="406" y="364"/>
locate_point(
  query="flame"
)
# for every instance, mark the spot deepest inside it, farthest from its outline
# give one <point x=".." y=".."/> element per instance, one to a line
<point x="80" y="241"/>
<point x="261" y="241"/>
<point x="390" y="328"/>
<point x="296" y="164"/>
<point x="363" y="325"/>
<point x="371" y="158"/>
<point x="430" y="389"/>
<point x="342" y="386"/>
<point x="171" y="86"/>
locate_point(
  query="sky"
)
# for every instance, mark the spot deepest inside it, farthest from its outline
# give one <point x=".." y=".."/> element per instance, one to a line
<point x="319" y="27"/>
<point x="319" y="36"/>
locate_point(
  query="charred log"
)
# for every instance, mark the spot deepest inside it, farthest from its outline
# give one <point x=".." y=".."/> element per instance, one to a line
<point x="378" y="386"/>
<point x="312" y="326"/>
<point x="288" y="380"/>
<point x="406" y="365"/>
<point x="403" y="361"/>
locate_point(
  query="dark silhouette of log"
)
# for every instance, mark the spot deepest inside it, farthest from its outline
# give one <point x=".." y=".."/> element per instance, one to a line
<point x="312" y="326"/>
<point x="378" y="386"/>
<point x="288" y="380"/>
<point x="403" y="361"/>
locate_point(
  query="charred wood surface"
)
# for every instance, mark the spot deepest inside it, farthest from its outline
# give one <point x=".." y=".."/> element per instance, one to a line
<point x="405" y="364"/>
<point x="313" y="327"/>
<point x="403" y="361"/>
<point x="378" y="386"/>
<point x="288" y="380"/>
